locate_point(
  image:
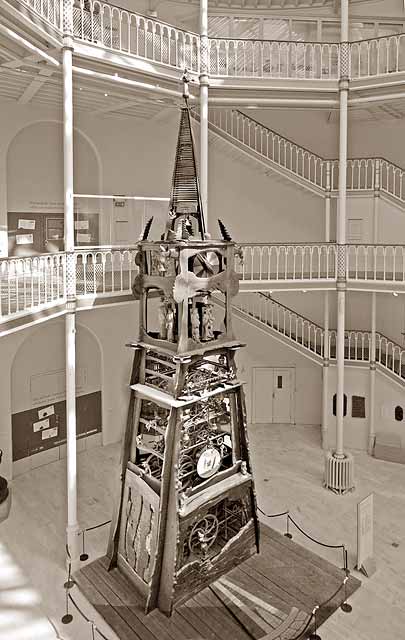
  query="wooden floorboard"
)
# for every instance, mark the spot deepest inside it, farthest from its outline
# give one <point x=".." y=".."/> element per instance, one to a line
<point x="285" y="582"/>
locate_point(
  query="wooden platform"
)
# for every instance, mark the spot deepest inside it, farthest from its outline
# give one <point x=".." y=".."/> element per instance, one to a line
<point x="269" y="597"/>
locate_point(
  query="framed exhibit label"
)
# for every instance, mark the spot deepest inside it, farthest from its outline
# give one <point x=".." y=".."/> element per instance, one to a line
<point x="365" y="536"/>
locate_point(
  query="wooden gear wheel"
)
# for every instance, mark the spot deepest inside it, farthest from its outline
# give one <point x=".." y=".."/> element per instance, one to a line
<point x="203" y="534"/>
<point x="206" y="264"/>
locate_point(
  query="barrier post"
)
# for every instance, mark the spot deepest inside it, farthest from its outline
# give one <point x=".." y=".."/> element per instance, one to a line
<point x="314" y="635"/>
<point x="287" y="533"/>
<point x="345" y="606"/>
<point x="83" y="556"/>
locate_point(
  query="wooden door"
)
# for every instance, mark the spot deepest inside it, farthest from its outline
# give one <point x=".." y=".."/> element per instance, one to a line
<point x="263" y="380"/>
<point x="282" y="396"/>
<point x="138" y="530"/>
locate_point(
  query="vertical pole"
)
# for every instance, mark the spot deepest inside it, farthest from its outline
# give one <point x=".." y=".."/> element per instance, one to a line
<point x="72" y="528"/>
<point x="371" y="426"/>
<point x="341" y="224"/>
<point x="204" y="84"/>
<point x="325" y="367"/>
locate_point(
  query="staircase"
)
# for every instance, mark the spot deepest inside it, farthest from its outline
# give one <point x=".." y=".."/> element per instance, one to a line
<point x="302" y="166"/>
<point x="308" y="338"/>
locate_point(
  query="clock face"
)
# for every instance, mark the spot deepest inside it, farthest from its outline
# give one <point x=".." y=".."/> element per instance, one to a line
<point x="209" y="462"/>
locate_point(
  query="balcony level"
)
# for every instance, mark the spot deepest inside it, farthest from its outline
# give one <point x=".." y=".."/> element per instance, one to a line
<point x="33" y="288"/>
<point x="120" y="49"/>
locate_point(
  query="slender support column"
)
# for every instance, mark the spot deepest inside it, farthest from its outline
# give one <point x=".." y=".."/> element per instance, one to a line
<point x="341" y="225"/>
<point x="376" y="201"/>
<point x="72" y="528"/>
<point x="339" y="466"/>
<point x="371" y="426"/>
<point x="204" y="84"/>
<point x="326" y="355"/>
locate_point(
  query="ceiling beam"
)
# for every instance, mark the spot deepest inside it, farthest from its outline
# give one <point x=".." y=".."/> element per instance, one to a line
<point x="35" y="86"/>
<point x="28" y="60"/>
<point x="28" y="45"/>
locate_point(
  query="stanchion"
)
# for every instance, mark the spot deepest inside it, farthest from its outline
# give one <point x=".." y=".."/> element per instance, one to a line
<point x="69" y="582"/>
<point x="314" y="635"/>
<point x="93" y="629"/>
<point x="67" y="618"/>
<point x="83" y="556"/>
<point x="345" y="606"/>
<point x="287" y="533"/>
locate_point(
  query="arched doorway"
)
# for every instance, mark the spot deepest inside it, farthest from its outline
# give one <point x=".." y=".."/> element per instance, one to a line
<point x="35" y="190"/>
<point x="38" y="405"/>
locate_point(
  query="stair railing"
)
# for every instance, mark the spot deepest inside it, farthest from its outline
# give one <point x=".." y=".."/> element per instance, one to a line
<point x="363" y="174"/>
<point x="285" y="321"/>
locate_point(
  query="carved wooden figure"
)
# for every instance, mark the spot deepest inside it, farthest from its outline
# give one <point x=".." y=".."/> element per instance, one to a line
<point x="186" y="511"/>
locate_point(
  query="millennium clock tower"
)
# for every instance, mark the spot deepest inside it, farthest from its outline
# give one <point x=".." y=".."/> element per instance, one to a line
<point x="186" y="513"/>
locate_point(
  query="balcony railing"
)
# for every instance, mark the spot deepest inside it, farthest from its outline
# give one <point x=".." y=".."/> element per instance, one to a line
<point x="105" y="271"/>
<point x="273" y="59"/>
<point x="376" y="57"/>
<point x="288" y="262"/>
<point x="131" y="33"/>
<point x="31" y="284"/>
<point x="382" y="263"/>
<point x="49" y="10"/>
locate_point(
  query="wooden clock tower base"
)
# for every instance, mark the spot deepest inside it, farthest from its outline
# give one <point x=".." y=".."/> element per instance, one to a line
<point x="269" y="597"/>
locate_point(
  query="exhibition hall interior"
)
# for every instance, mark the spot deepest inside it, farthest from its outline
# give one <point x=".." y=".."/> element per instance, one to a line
<point x="202" y="319"/>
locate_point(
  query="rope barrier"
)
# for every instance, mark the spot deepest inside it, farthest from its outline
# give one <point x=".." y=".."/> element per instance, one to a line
<point x="323" y="544"/>
<point x="94" y="627"/>
<point x="345" y="606"/>
<point x="97" y="526"/>
<point x="289" y="535"/>
<point x="84" y="556"/>
<point x="273" y="515"/>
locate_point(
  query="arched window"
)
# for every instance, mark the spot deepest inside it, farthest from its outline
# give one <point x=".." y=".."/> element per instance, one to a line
<point x="399" y="413"/>
<point x="344" y="404"/>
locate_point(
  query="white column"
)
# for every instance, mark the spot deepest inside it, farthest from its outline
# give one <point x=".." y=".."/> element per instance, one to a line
<point x="72" y="528"/>
<point x="325" y="367"/>
<point x="371" y="424"/>
<point x="204" y="83"/>
<point x="341" y="226"/>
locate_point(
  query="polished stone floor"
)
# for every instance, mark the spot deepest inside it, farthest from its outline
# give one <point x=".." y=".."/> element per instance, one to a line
<point x="288" y="466"/>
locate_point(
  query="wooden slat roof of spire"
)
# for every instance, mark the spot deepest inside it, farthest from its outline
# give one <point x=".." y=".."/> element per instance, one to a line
<point x="185" y="197"/>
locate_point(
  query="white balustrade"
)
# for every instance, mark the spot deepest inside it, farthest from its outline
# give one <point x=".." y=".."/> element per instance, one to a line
<point x="376" y="57"/>
<point x="273" y="59"/>
<point x="49" y="10"/>
<point x="122" y="30"/>
<point x="108" y="271"/>
<point x="282" y="319"/>
<point x="384" y="263"/>
<point x="390" y="355"/>
<point x="30" y="284"/>
<point x="392" y="179"/>
<point x="287" y="262"/>
<point x="269" y="144"/>
<point x="307" y="166"/>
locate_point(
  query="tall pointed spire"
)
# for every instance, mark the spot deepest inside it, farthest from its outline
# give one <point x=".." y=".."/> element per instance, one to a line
<point x="185" y="198"/>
